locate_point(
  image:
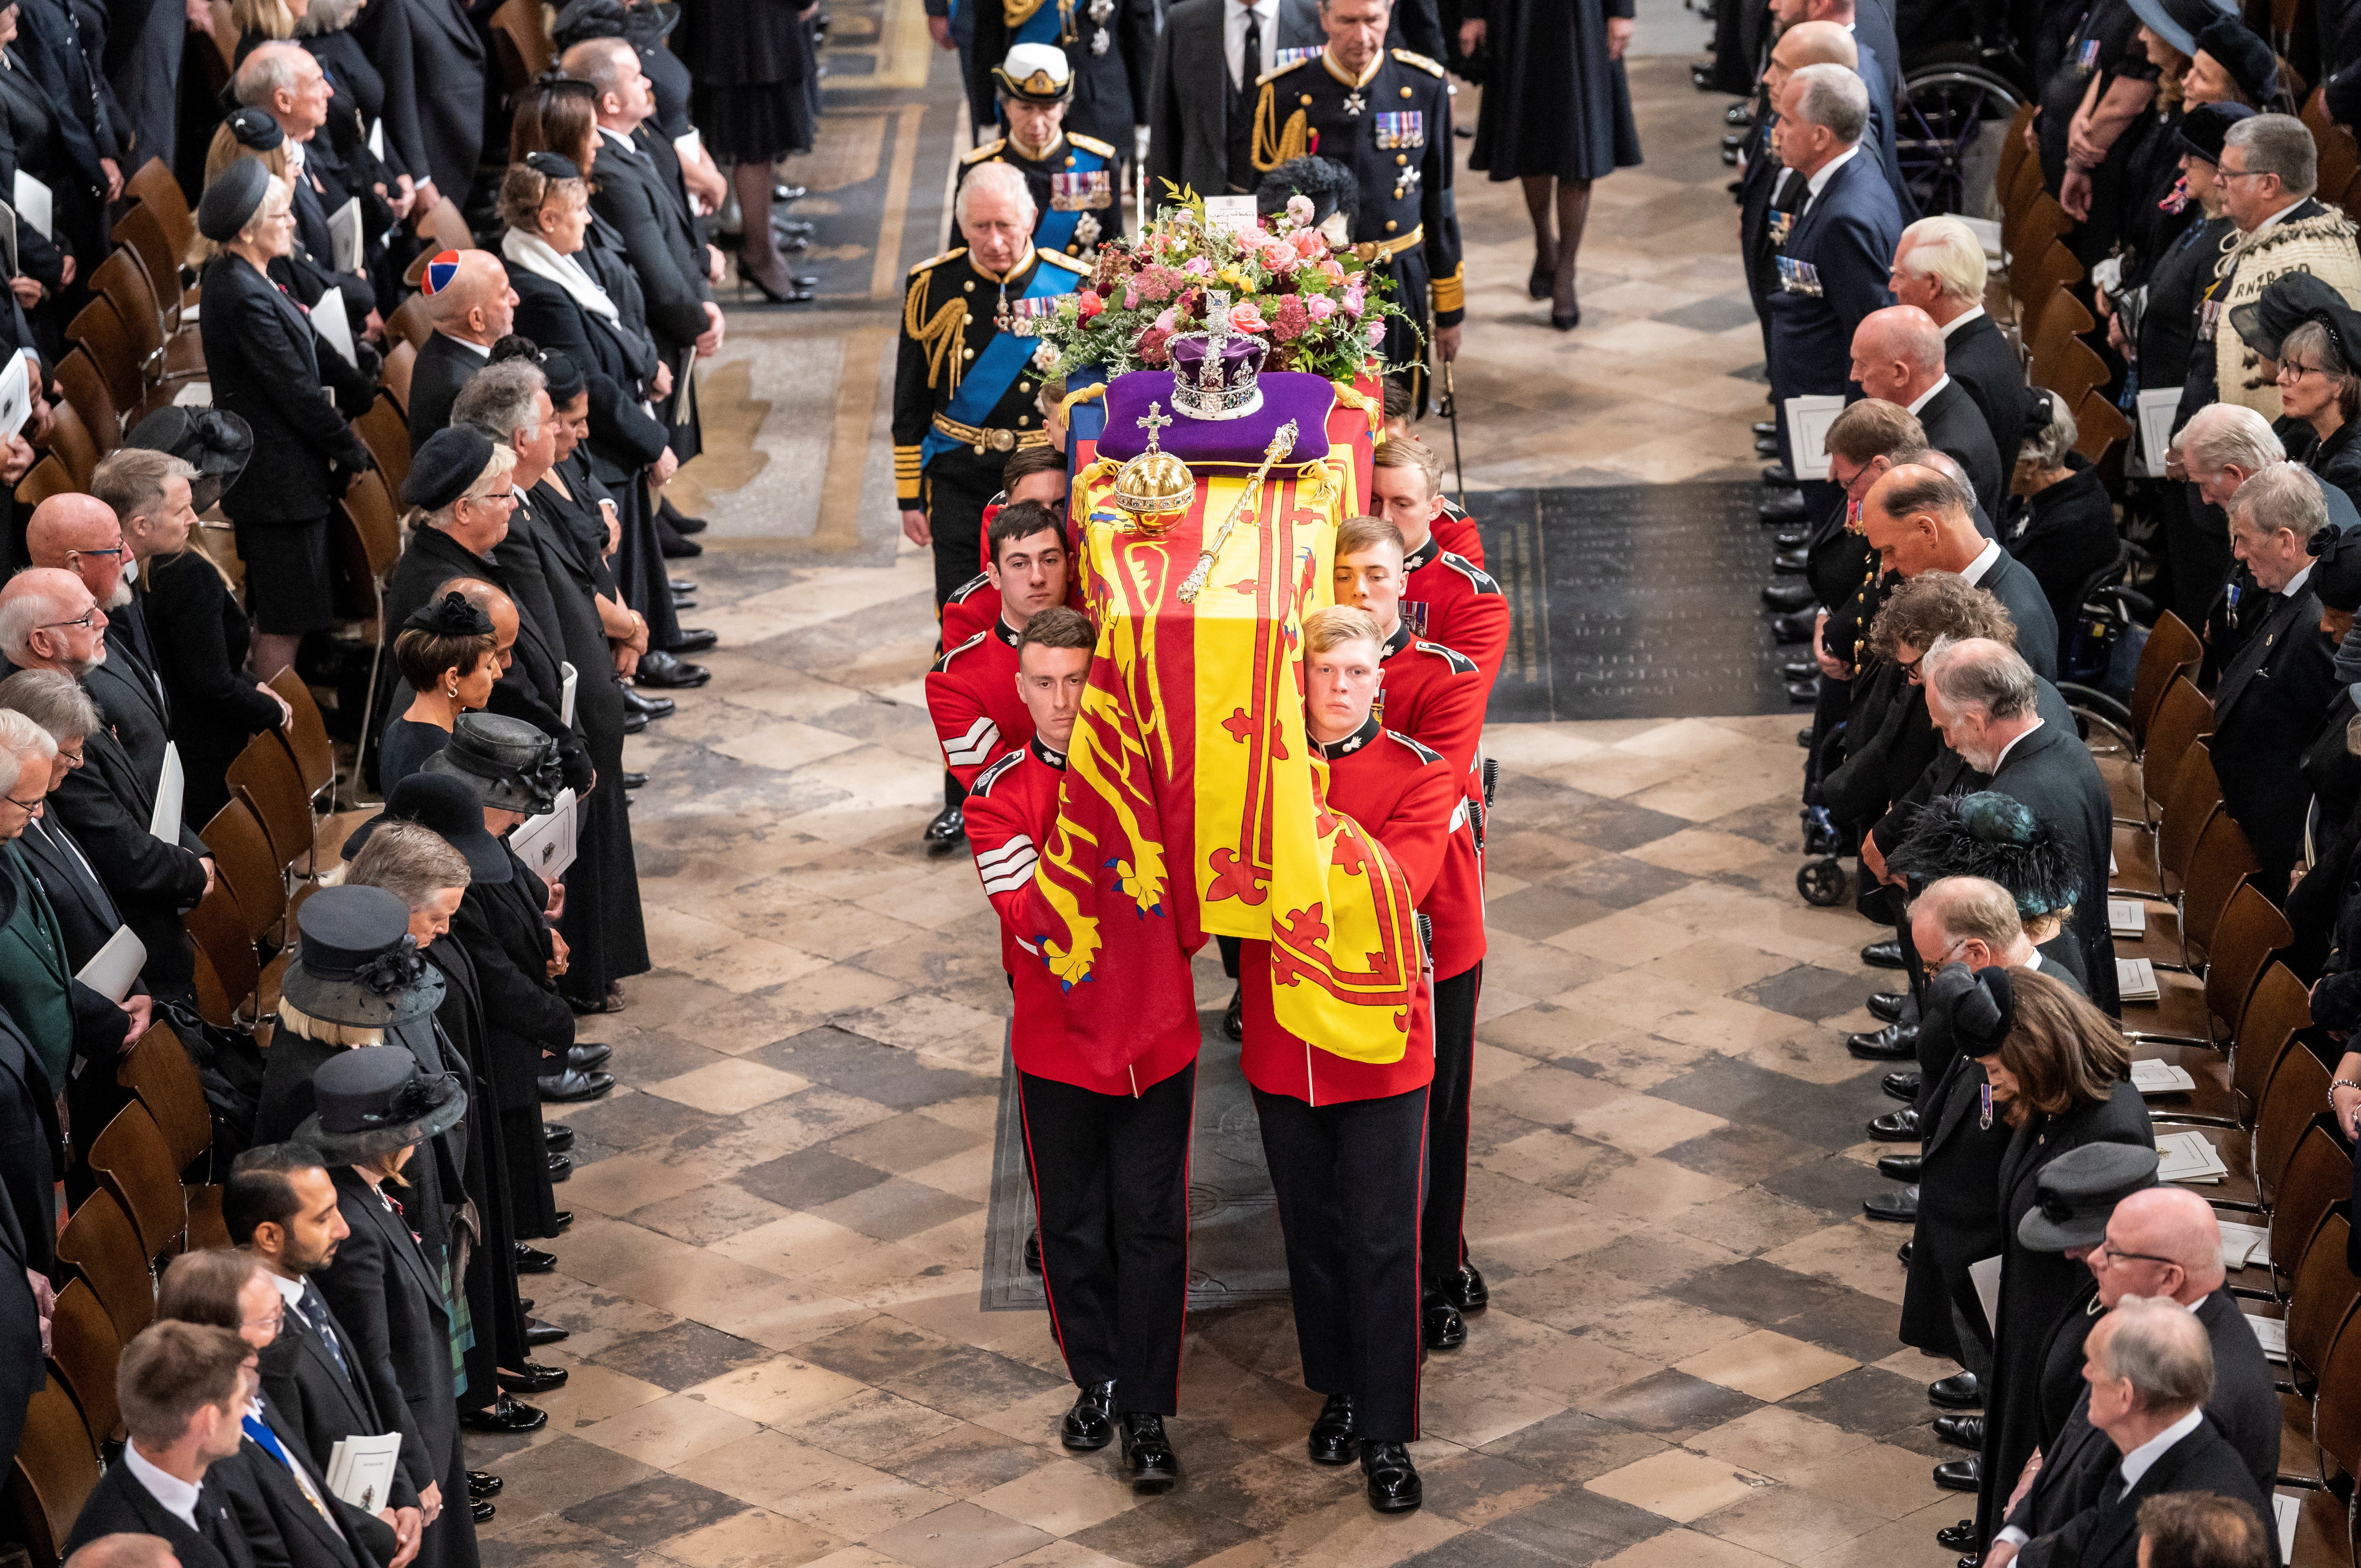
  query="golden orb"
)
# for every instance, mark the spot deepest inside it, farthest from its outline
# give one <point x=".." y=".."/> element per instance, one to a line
<point x="1156" y="489"/>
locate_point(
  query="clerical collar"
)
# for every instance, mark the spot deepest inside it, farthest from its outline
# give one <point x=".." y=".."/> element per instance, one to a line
<point x="1397" y="643"/>
<point x="1332" y="750"/>
<point x="1328" y="59"/>
<point x="1005" y="632"/>
<point x="1054" y="757"/>
<point x="1424" y="555"/>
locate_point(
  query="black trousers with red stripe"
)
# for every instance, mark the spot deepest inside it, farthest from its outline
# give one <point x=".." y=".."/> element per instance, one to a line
<point x="1348" y="1178"/>
<point x="1442" y="1244"/>
<point x="1111" y="1184"/>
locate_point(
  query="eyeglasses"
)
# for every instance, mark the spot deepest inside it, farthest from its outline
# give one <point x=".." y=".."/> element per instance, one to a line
<point x="60" y="625"/>
<point x="116" y="551"/>
<point x="2222" y="173"/>
<point x="2117" y="1254"/>
<point x="2291" y="371"/>
<point x="27" y="806"/>
<point x="503" y="498"/>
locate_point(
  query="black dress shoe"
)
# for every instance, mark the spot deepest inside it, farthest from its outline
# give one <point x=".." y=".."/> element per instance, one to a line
<point x="1441" y="1324"/>
<point x="1961" y="1432"/>
<point x="639" y="702"/>
<point x="482" y="1511"/>
<point x="1900" y="1206"/>
<point x="1955" y="1536"/>
<point x="1804" y="738"/>
<point x="678" y="549"/>
<point x="570" y="1087"/>
<point x="1033" y="1251"/>
<point x="585" y="1057"/>
<point x="1900" y="1166"/>
<point x="691" y="640"/>
<point x="635" y="780"/>
<point x="1234" y="1016"/>
<point x="680" y="585"/>
<point x="1778" y="475"/>
<point x="1887" y="1005"/>
<point x="1391" y="1478"/>
<point x="1896" y="1042"/>
<point x="506" y="1416"/>
<point x="1331" y="1441"/>
<point x="1791" y="561"/>
<point x="1804" y="693"/>
<point x="533" y="1260"/>
<point x="484" y="1483"/>
<point x="1148" y="1462"/>
<point x="667" y="673"/>
<point x="1959" y="1391"/>
<point x="561" y="1166"/>
<point x="1790" y="597"/>
<point x="1902" y="1086"/>
<point x="787" y="193"/>
<point x="556" y="1136"/>
<point x="1960" y="1474"/>
<point x="1902" y="1252"/>
<point x="944" y="833"/>
<point x="1765" y="429"/>
<point x="1464" y="1288"/>
<point x="1795" y="628"/>
<point x="1766" y="447"/>
<point x="1792" y="539"/>
<point x="683" y="524"/>
<point x="1883" y="955"/>
<point x="532" y="1377"/>
<point x="634" y="722"/>
<point x="563" y="1218"/>
<point x="1799" y="672"/>
<point x="1090" y="1425"/>
<point x="1738" y="113"/>
<point x="1783" y="506"/>
<point x="683" y="601"/>
<point x="538" y="1334"/>
<point x="1895" y="1127"/>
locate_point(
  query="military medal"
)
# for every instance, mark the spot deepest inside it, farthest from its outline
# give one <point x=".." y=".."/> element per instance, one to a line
<point x="1407" y="129"/>
<point x="1406" y="179"/>
<point x="1086" y="230"/>
<point x="1355" y="103"/>
<point x="1984" y="1121"/>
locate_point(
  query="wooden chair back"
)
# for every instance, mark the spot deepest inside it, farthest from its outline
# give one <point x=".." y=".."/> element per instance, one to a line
<point x="143" y="232"/>
<point x="2279" y="1011"/>
<point x="225" y="956"/>
<point x="2284" y="1113"/>
<point x="47" y="478"/>
<point x="155" y="189"/>
<point x="135" y="1163"/>
<point x="265" y="774"/>
<point x="408" y="321"/>
<point x="378" y="520"/>
<point x="2326" y="1289"/>
<point x="72" y="445"/>
<point x="84" y="386"/>
<point x="243" y="853"/>
<point x="158" y="1070"/>
<point x="393" y="376"/>
<point x="2172" y="651"/>
<point x="104" y="1247"/>
<point x="386" y="433"/>
<point x="2189" y="804"/>
<point x="2099" y="424"/>
<point x="2179" y="720"/>
<point x="98" y="328"/>
<point x="53" y="1473"/>
<point x="2336" y="1412"/>
<point x="307" y="732"/>
<point x="83" y="1348"/>
<point x="2250" y="930"/>
<point x="2320" y="1173"/>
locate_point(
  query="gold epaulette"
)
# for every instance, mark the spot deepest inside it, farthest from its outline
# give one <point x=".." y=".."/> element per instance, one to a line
<point x="1074" y="265"/>
<point x="1274" y="72"/>
<point x="989" y="149"/>
<point x="1275" y="143"/>
<point x="952" y="255"/>
<point x="1407" y="58"/>
<point x="1091" y="144"/>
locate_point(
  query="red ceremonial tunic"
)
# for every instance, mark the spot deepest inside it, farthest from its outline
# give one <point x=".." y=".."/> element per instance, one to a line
<point x="1458" y="533"/>
<point x="1405" y="795"/>
<point x="1447" y="599"/>
<point x="976" y="604"/>
<point x="1012" y="808"/>
<point x="972" y="696"/>
<point x="1435" y="696"/>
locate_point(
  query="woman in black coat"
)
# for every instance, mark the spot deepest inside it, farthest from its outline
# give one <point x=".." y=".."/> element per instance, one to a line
<point x="262" y="358"/>
<point x="201" y="639"/>
<point x="1557" y="116"/>
<point x="2064" y="528"/>
<point x="30" y="145"/>
<point x="753" y="66"/>
<point x="2320" y="396"/>
<point x="2058" y="1072"/>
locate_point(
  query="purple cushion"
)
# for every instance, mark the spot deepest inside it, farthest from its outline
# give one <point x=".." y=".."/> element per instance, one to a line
<point x="1285" y="394"/>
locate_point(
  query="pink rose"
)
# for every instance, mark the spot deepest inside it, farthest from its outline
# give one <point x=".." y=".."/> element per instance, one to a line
<point x="1131" y="298"/>
<point x="1163" y="323"/>
<point x="1331" y="270"/>
<point x="1299" y="210"/>
<point x="1247" y="317"/>
<point x="1376" y="334"/>
<point x="1353" y="301"/>
<point x="1308" y="243"/>
<point x="1197" y="266"/>
<point x="1320" y="307"/>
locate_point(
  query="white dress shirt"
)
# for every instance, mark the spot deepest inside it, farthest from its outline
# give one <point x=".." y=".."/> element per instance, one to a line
<point x="1233" y="37"/>
<point x="1986" y="559"/>
<point x="2295" y="584"/>
<point x="1820" y="182"/>
<point x="2141" y="1460"/>
<point x="179" y="1498"/>
<point x="1962" y="319"/>
<point x="1920" y="401"/>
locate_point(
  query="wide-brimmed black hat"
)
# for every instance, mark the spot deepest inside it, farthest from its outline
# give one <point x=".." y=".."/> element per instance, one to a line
<point x="2284" y="303"/>
<point x="2204" y="128"/>
<point x="2077" y="1191"/>
<point x="2250" y="62"/>
<point x="448" y="808"/>
<point x="213" y="441"/>
<point x="356" y="964"/>
<point x="373" y="1101"/>
<point x="508" y="765"/>
<point x="584" y="19"/>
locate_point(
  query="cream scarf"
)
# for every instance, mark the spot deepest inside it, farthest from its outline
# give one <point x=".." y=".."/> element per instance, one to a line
<point x="535" y="255"/>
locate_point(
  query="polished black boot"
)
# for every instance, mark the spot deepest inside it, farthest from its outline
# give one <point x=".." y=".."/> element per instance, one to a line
<point x="1090" y="1425"/>
<point x="1331" y="1441"/>
<point x="1392" y="1479"/>
<point x="1148" y="1462"/>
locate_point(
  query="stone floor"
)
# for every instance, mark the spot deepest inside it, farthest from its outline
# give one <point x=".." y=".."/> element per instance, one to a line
<point x="773" y="1282"/>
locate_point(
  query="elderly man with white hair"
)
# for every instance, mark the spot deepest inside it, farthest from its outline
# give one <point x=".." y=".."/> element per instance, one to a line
<point x="2275" y="689"/>
<point x="1939" y="267"/>
<point x="965" y="389"/>
<point x="1897" y="355"/>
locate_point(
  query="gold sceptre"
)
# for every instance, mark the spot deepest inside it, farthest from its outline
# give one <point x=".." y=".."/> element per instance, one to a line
<point x="1282" y="442"/>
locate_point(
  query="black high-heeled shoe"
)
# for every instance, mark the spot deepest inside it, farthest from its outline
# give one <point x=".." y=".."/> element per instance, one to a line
<point x="1538" y="284"/>
<point x="1568" y="321"/>
<point x="793" y="295"/>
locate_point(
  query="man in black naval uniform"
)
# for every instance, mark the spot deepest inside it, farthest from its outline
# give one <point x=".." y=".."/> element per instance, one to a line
<point x="1076" y="181"/>
<point x="965" y="387"/>
<point x="1110" y="44"/>
<point x="1385" y="115"/>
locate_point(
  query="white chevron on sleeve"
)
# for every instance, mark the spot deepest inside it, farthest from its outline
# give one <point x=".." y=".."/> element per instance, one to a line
<point x="974" y="746"/>
<point x="1009" y="867"/>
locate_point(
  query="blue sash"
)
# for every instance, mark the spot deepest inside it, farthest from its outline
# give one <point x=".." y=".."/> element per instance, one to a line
<point x="987" y="380"/>
<point x="1054" y="230"/>
<point x="1041" y="27"/>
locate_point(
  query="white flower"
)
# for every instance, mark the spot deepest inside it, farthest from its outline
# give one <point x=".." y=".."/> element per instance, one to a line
<point x="1045" y="356"/>
<point x="1299" y="210"/>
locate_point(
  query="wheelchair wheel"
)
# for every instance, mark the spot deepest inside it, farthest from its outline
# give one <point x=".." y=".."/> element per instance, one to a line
<point x="1821" y="881"/>
<point x="1947" y="135"/>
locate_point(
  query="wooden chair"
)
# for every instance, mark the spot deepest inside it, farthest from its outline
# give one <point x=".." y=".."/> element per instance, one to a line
<point x="2290" y="1104"/>
<point x="2190" y="1013"/>
<point x="72" y="445"/>
<point x="98" y="328"/>
<point x="84" y="1349"/>
<point x="135" y="1163"/>
<point x="2152" y="864"/>
<point x="409" y="321"/>
<point x="143" y="233"/>
<point x="2183" y="715"/>
<point x="265" y="774"/>
<point x="2335" y="1438"/>
<point x="2099" y="424"/>
<point x="155" y="189"/>
<point x="2171" y="651"/>
<point x="2280" y="1010"/>
<point x="227" y="967"/>
<point x="53" y="1473"/>
<point x="2012" y="151"/>
<point x="158" y="1070"/>
<point x="123" y="283"/>
<point x="394" y="377"/>
<point x="243" y="853"/>
<point x="519" y="32"/>
<point x="104" y="1247"/>
<point x="307" y="733"/>
<point x="47" y="478"/>
<point x="2339" y="158"/>
<point x="84" y="386"/>
<point x="2319" y="1174"/>
<point x="386" y="433"/>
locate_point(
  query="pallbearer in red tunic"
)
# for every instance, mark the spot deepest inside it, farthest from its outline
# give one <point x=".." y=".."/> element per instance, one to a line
<point x="1448" y="598"/>
<point x="1345" y="1139"/>
<point x="971" y="691"/>
<point x="1107" y="1145"/>
<point x="1436" y="696"/>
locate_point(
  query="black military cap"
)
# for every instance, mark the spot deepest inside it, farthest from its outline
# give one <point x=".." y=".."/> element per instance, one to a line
<point x="453" y="459"/>
<point x="2245" y="55"/>
<point x="2289" y="300"/>
<point x="2077" y="1191"/>
<point x="446" y="805"/>
<point x="2204" y="129"/>
<point x="356" y="964"/>
<point x="229" y="202"/>
<point x="508" y="765"/>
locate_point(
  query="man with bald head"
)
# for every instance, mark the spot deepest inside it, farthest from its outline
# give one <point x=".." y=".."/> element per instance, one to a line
<point x="1897" y="355"/>
<point x="81" y="534"/>
<point x="1920" y="520"/>
<point x="125" y="1551"/>
<point x="2163" y="1243"/>
<point x="472" y="310"/>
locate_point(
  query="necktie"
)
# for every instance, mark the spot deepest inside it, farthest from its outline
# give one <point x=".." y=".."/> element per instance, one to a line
<point x="1250" y="56"/>
<point x="267" y="1440"/>
<point x="315" y="1312"/>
